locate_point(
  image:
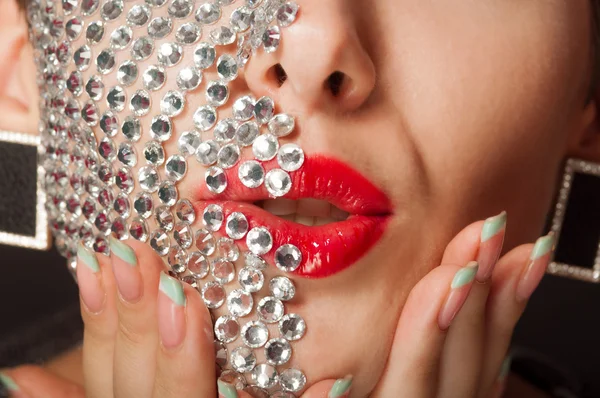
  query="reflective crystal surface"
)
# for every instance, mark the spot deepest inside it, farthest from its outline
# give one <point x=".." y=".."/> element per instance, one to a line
<point x="140" y="103"/>
<point x="292" y="380"/>
<point x="278" y="351"/>
<point x="288" y="258"/>
<point x="243" y="359"/>
<point x="255" y="334"/>
<point x="281" y="125"/>
<point x="259" y="240"/>
<point x="217" y="93"/>
<point x="264" y="110"/>
<point x="205" y="242"/>
<point x="188" y="143"/>
<point x="216" y="180"/>
<point x="159" y="241"/>
<point x="167" y="193"/>
<point x="239" y="303"/>
<point x="212" y="217"/>
<point x="251" y="174"/>
<point x="251" y="279"/>
<point x="223" y="271"/>
<point x="227" y="329"/>
<point x="278" y="182"/>
<point x="172" y="103"/>
<point x="243" y="108"/>
<point x="236" y="225"/>
<point x="205" y="117"/>
<point x="189" y="78"/>
<point x="160" y="27"/>
<point x="161" y="128"/>
<point x="292" y="327"/>
<point x="154" y="153"/>
<point x="213" y="295"/>
<point x="207" y="152"/>
<point x="204" y="55"/>
<point x="154" y="77"/>
<point x="198" y="265"/>
<point x="270" y="309"/>
<point x="265" y="147"/>
<point x="228" y="156"/>
<point x="185" y="211"/>
<point x="265" y="376"/>
<point x="290" y="157"/>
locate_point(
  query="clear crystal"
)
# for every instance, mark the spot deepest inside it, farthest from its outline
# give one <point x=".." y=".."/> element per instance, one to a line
<point x="105" y="62"/>
<point x="286" y="14"/>
<point x="119" y="228"/>
<point x="217" y="93"/>
<point x="281" y="125"/>
<point x="225" y="129"/>
<point x="160" y="27"/>
<point x="212" y="217"/>
<point x="223" y="271"/>
<point x="204" y="55"/>
<point x="175" y="167"/>
<point x="290" y="157"/>
<point x="122" y="206"/>
<point x="255" y="334"/>
<point x="220" y="354"/>
<point x="100" y="245"/>
<point x="126" y="154"/>
<point x="189" y="78"/>
<point x="177" y="259"/>
<point x="292" y="380"/>
<point x="124" y="180"/>
<point x="265" y="376"/>
<point x="228" y="156"/>
<point x="148" y="178"/>
<point x="278" y="351"/>
<point x="154" y="77"/>
<point x="164" y="217"/>
<point x="251" y="279"/>
<point x="251" y="174"/>
<point x="116" y="98"/>
<point x="183" y="235"/>
<point x="107" y="149"/>
<point x="121" y="37"/>
<point x="278" y="182"/>
<point x="259" y="240"/>
<point x="69" y="6"/>
<point x="102" y="222"/>
<point x="89" y="113"/>
<point x="111" y="10"/>
<point x="222" y="36"/>
<point x="140" y="103"/>
<point x="167" y="193"/>
<point x="227" y="249"/>
<point x="159" y="241"/>
<point x="143" y="204"/>
<point x="75" y="83"/>
<point x="172" y="103"/>
<point x="185" y="211"/>
<point x="198" y="265"/>
<point x="264" y="110"/>
<point x="188" y="33"/>
<point x="288" y="258"/>
<point x="94" y="87"/>
<point x="205" y="242"/>
<point x="127" y="73"/>
<point x="94" y="32"/>
<point x="207" y="152"/>
<point x="188" y="143"/>
<point x="180" y="8"/>
<point x="243" y="359"/>
<point x="139" y="15"/>
<point x="241" y="19"/>
<point x="254" y="261"/>
<point x="205" y="117"/>
<point x="227" y="67"/>
<point x="292" y="327"/>
<point x="265" y="147"/>
<point x="73" y="28"/>
<point x="243" y="108"/>
<point x="161" y="128"/>
<point x="271" y="39"/>
<point x="132" y="129"/>
<point x="247" y="133"/>
<point x="208" y="13"/>
<point x="282" y="287"/>
<point x="109" y="123"/>
<point x="142" y="48"/>
<point x="236" y="225"/>
<point x="213" y="295"/>
<point x="239" y="303"/>
<point x="227" y="329"/>
<point x="270" y="309"/>
<point x="216" y="179"/>
<point x="169" y="54"/>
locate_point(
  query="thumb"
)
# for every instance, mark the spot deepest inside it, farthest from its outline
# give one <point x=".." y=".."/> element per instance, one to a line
<point x="339" y="388"/>
<point x="30" y="381"/>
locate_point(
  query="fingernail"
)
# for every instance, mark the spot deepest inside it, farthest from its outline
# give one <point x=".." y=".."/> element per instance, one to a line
<point x="127" y="273"/>
<point x="536" y="267"/>
<point x="88" y="280"/>
<point x="459" y="291"/>
<point x="491" y="242"/>
<point x="226" y="390"/>
<point x="171" y="311"/>
<point x="341" y="387"/>
<point x="505" y="368"/>
<point x="7" y="385"/>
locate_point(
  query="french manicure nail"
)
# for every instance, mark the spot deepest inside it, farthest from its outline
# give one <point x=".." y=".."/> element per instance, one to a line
<point x="226" y="390"/>
<point x="171" y="311"/>
<point x="341" y="387"/>
<point x="505" y="368"/>
<point x="459" y="291"/>
<point x="7" y="385"/>
<point x="491" y="242"/>
<point x="127" y="273"/>
<point x="536" y="267"/>
<point x="88" y="280"/>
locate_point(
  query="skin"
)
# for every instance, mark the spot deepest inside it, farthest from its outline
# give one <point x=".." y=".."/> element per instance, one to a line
<point x="474" y="106"/>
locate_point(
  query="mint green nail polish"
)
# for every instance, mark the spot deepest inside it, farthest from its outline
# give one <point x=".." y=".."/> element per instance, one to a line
<point x="88" y="258"/>
<point x="8" y="382"/>
<point x="492" y="226"/>
<point x="505" y="368"/>
<point x="172" y="288"/>
<point x="542" y="247"/>
<point x="226" y="389"/>
<point x="465" y="275"/>
<point x="340" y="387"/>
<point x="123" y="251"/>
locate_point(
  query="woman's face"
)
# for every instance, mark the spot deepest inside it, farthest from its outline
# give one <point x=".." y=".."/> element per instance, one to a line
<point x="455" y="110"/>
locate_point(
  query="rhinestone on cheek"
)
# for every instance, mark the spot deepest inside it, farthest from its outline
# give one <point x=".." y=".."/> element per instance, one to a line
<point x="265" y="376"/>
<point x="239" y="303"/>
<point x="270" y="309"/>
<point x="278" y="351"/>
<point x="227" y="329"/>
<point x="292" y="380"/>
<point x="251" y="279"/>
<point x="243" y="359"/>
<point x="292" y="327"/>
<point x="255" y="334"/>
<point x="213" y="295"/>
<point x="282" y="287"/>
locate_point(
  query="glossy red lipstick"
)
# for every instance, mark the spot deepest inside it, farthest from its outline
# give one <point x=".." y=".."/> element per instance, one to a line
<point x="326" y="249"/>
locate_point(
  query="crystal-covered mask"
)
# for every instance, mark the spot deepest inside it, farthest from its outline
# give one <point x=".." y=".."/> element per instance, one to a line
<point x="132" y="94"/>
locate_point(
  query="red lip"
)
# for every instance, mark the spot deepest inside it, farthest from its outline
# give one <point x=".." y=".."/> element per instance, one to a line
<point x="326" y="249"/>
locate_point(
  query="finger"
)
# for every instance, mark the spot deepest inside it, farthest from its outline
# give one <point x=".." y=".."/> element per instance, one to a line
<point x="413" y="363"/>
<point x="516" y="276"/>
<point x="466" y="337"/>
<point x="186" y="360"/>
<point x="34" y="382"/>
<point x="339" y="388"/>
<point x="227" y="390"/>
<point x="99" y="313"/>
<point x="136" y="268"/>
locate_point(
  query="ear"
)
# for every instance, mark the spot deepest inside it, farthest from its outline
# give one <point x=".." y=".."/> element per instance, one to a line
<point x="18" y="89"/>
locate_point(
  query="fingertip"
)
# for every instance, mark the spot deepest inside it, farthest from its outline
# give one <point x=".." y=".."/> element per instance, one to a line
<point x="465" y="245"/>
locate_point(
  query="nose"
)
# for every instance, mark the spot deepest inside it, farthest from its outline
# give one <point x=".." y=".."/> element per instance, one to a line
<point x="320" y="61"/>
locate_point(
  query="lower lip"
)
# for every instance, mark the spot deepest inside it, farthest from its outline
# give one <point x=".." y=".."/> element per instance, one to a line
<point x="326" y="249"/>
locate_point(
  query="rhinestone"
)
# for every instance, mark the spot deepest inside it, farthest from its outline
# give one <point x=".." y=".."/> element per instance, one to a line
<point x="75" y="83"/>
<point x="73" y="205"/>
<point x="161" y="128"/>
<point x="185" y="211"/>
<point x="292" y="327"/>
<point x="121" y="37"/>
<point x="243" y="359"/>
<point x="251" y="279"/>
<point x="208" y="13"/>
<point x="175" y="167"/>
<point x="254" y="261"/>
<point x="69" y="6"/>
<point x="271" y="39"/>
<point x="156" y="3"/>
<point x="212" y="217"/>
<point x="164" y="218"/>
<point x="140" y="103"/>
<point x="160" y="27"/>
<point x="72" y="109"/>
<point x="188" y="33"/>
<point x="148" y="178"/>
<point x="217" y="93"/>
<point x="111" y="10"/>
<point x="286" y="14"/>
<point x="127" y="73"/>
<point x="223" y="271"/>
<point x="102" y="222"/>
<point x="227" y="329"/>
<point x="257" y="392"/>
<point x="143" y="204"/>
<point x="278" y="351"/>
<point x="124" y="180"/>
<point x="107" y="149"/>
<point x="167" y="193"/>
<point x="243" y="108"/>
<point x="172" y="103"/>
<point x="251" y="174"/>
<point x="204" y="55"/>
<point x="222" y="36"/>
<point x="265" y="376"/>
<point x="73" y="28"/>
<point x="239" y="303"/>
<point x="92" y="186"/>
<point x="281" y="125"/>
<point x="88" y="209"/>
<point x="138" y="15"/>
<point x="228" y="156"/>
<point x="213" y="295"/>
<point x="169" y="54"/>
<point x="131" y="129"/>
<point x="180" y="8"/>
<point x="105" y="173"/>
<point x="109" y="123"/>
<point x="94" y="32"/>
<point x="94" y="87"/>
<point x="188" y="143"/>
<point x="227" y="249"/>
<point x="255" y="334"/>
<point x="82" y="57"/>
<point x="224" y="131"/>
<point x="115" y="98"/>
<point x="154" y="77"/>
<point x="205" y="242"/>
<point x="288" y="258"/>
<point x="290" y="157"/>
<point x="270" y="309"/>
<point x="154" y="153"/>
<point x="122" y="206"/>
<point x="106" y="197"/>
<point x="259" y="240"/>
<point x="278" y="182"/>
<point x="205" y="117"/>
<point x="198" y="265"/>
<point x="207" y="152"/>
<point x="159" y="241"/>
<point x="142" y="48"/>
<point x="264" y="110"/>
<point x="216" y="180"/>
<point x="177" y="259"/>
<point x="265" y="147"/>
<point x="282" y="288"/>
<point x="189" y="78"/>
<point x="241" y="19"/>
<point x="105" y="62"/>
<point x="126" y="154"/>
<point x="100" y="245"/>
<point x="292" y="380"/>
<point x="220" y="353"/>
<point x="236" y="225"/>
<point x="246" y="133"/>
<point x="183" y="235"/>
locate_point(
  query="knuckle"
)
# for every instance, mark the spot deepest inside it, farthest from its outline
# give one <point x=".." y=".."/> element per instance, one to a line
<point x="131" y="334"/>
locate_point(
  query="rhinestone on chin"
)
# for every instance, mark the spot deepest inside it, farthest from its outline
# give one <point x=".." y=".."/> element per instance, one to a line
<point x="292" y="380"/>
<point x="292" y="327"/>
<point x="265" y="376"/>
<point x="270" y="309"/>
<point x="205" y="242"/>
<point x="278" y="351"/>
<point x="227" y="329"/>
<point x="198" y="265"/>
<point x="255" y="334"/>
<point x="251" y="279"/>
<point x="254" y="261"/>
<point x="259" y="240"/>
<point x="282" y="287"/>
<point x="159" y="241"/>
<point x="243" y="359"/>
<point x="239" y="303"/>
<point x="213" y="295"/>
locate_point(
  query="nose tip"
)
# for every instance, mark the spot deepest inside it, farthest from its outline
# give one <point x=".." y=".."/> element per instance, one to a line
<point x="320" y="62"/>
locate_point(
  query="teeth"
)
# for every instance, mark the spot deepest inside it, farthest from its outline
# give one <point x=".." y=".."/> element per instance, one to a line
<point x="280" y="207"/>
<point x="307" y="212"/>
<point x="305" y="220"/>
<point x="314" y="207"/>
<point x="338" y="214"/>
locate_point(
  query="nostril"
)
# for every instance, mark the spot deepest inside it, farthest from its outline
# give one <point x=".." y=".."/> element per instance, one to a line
<point x="280" y="74"/>
<point x="335" y="82"/>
